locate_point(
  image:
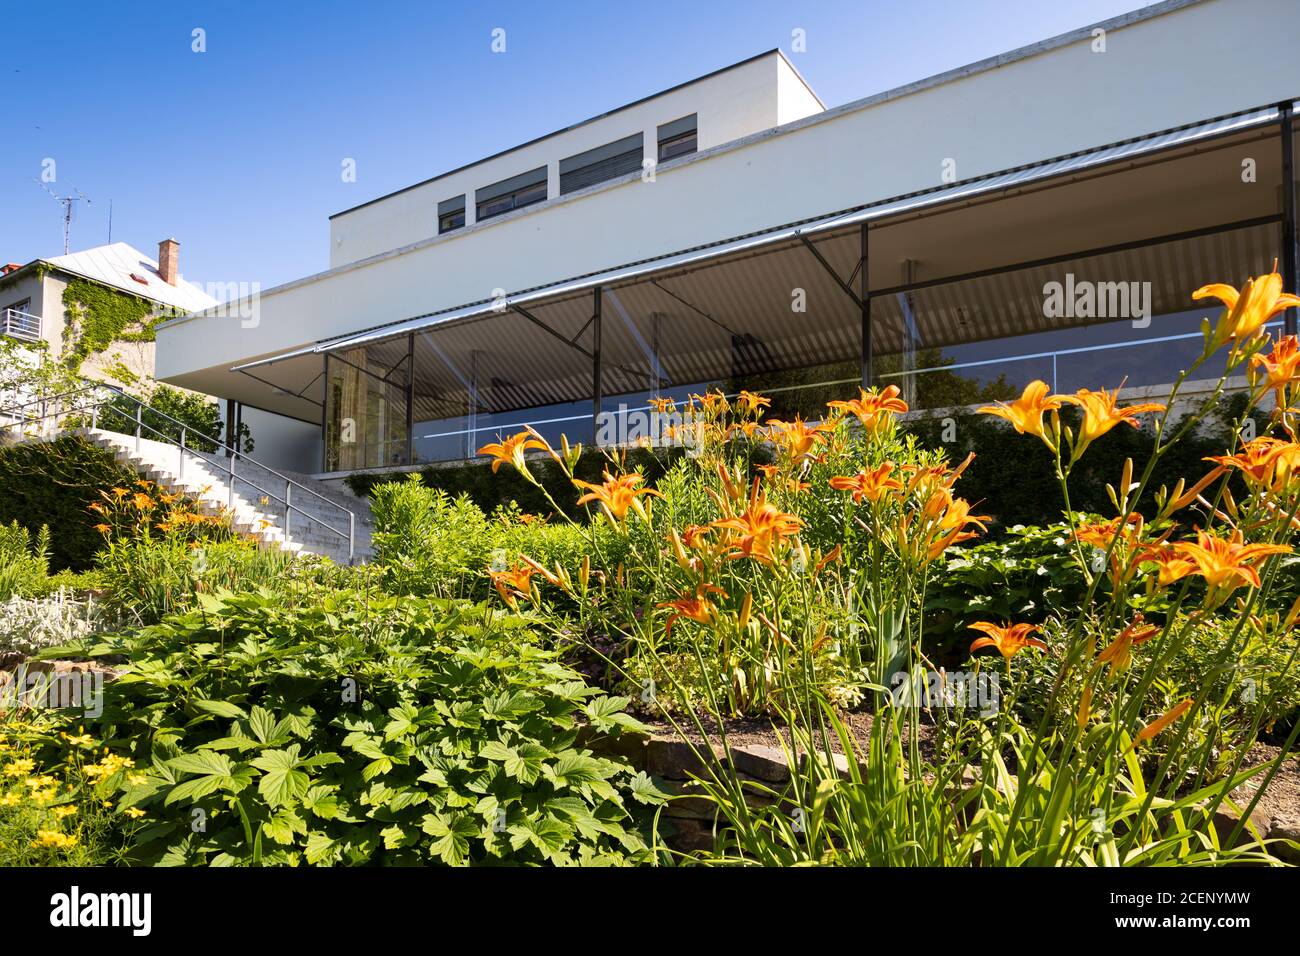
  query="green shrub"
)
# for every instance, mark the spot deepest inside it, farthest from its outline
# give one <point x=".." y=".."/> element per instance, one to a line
<point x="428" y="543"/>
<point x="24" y="566"/>
<point x="356" y="728"/>
<point x="54" y="483"/>
<point x="149" y="576"/>
<point x="167" y="406"/>
<point x="490" y="490"/>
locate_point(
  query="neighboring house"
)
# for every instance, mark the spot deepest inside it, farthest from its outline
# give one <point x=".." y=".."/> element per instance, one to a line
<point x="1041" y="214"/>
<point x="34" y="304"/>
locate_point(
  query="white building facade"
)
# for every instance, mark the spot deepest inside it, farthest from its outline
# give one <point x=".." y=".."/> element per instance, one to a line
<point x="733" y="232"/>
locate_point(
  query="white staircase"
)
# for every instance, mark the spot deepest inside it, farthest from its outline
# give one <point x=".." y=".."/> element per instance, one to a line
<point x="316" y="519"/>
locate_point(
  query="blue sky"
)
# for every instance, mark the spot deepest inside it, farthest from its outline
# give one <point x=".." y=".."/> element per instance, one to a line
<point x="237" y="151"/>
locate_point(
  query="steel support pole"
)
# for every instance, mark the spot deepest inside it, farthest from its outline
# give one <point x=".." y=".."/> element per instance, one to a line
<point x="324" y="418"/>
<point x="230" y="426"/>
<point x="410" y="399"/>
<point x="864" y="301"/>
<point x="596" y="397"/>
<point x="1290" y="266"/>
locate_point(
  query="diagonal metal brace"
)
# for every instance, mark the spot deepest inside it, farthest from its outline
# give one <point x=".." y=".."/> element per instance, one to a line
<point x="831" y="272"/>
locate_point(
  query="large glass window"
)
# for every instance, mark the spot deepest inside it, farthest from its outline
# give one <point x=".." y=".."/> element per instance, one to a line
<point x="366" y="407"/>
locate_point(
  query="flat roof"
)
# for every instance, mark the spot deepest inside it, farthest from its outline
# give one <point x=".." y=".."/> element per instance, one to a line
<point x="586" y="122"/>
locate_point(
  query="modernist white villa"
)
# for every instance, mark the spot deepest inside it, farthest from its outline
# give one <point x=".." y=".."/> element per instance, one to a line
<point x="1041" y="214"/>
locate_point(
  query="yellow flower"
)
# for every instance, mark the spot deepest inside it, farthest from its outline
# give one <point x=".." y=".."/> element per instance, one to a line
<point x="135" y="813"/>
<point x="19" y="768"/>
<point x="1026" y="412"/>
<point x="81" y="740"/>
<point x="66" y="810"/>
<point x="53" y="838"/>
<point x="1101" y="413"/>
<point x="1258" y="301"/>
<point x="1009" y="639"/>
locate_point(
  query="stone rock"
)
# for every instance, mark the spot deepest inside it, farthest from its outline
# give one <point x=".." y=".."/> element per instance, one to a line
<point x="678" y="760"/>
<point x="1285" y="828"/>
<point x="761" y="762"/>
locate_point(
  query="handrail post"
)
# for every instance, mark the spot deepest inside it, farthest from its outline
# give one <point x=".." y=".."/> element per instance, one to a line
<point x="230" y="482"/>
<point x="288" y="508"/>
<point x="352" y="536"/>
<point x="180" y="469"/>
<point x="138" y="424"/>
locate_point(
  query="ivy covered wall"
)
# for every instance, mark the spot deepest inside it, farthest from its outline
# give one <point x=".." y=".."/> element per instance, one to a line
<point x="96" y="317"/>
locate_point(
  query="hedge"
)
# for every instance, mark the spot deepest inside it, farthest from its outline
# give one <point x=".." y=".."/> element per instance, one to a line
<point x="53" y="483"/>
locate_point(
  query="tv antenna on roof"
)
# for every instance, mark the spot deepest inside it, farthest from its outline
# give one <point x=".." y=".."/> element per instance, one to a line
<point x="69" y="204"/>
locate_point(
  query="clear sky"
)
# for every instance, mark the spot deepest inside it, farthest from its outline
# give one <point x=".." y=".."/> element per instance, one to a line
<point x="238" y="151"/>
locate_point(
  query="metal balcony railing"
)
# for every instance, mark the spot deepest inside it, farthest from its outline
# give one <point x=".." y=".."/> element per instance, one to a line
<point x="20" y="325"/>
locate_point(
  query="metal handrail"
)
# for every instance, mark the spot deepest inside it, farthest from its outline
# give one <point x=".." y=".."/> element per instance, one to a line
<point x="231" y="453"/>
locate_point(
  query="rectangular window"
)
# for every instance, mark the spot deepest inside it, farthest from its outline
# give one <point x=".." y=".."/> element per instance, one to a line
<point x="513" y="193"/>
<point x="677" y="138"/>
<point x="451" y="214"/>
<point x="602" y="163"/>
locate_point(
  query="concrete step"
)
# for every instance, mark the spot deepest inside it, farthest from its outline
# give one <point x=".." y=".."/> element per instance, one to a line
<point x="251" y="494"/>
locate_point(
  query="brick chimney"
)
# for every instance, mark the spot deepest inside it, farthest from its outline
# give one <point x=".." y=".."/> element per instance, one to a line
<point x="168" y="259"/>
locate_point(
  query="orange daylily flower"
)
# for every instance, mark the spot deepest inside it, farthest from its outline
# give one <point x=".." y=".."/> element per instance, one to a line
<point x="693" y="535"/>
<point x="752" y="403"/>
<point x="616" y="495"/>
<point x="662" y="405"/>
<point x="103" y="528"/>
<point x="871" y="485"/>
<point x="1163" y="721"/>
<point x="1258" y="301"/>
<point x="795" y="437"/>
<point x="1281" y="366"/>
<point x="1101" y="413"/>
<point x="1171" y="565"/>
<point x="511" y="451"/>
<point x="873" y="406"/>
<point x="1009" y="639"/>
<point x="1099" y="534"/>
<point x="1026" y="412"/>
<point x="696" y="607"/>
<point x="1264" y="461"/>
<point x="1227" y="564"/>
<point x="761" y="527"/>
<point x="513" y="583"/>
<point x="1119" y="654"/>
<point x="142" y="501"/>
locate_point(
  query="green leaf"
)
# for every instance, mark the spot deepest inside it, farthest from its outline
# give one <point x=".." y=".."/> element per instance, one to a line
<point x="222" y="708"/>
<point x="282" y="782"/>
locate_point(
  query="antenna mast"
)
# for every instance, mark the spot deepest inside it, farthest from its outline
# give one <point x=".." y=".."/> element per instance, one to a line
<point x="69" y="210"/>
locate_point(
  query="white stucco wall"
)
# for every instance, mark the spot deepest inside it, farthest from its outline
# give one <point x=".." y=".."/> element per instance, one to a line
<point x="753" y="96"/>
<point x="1156" y="73"/>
